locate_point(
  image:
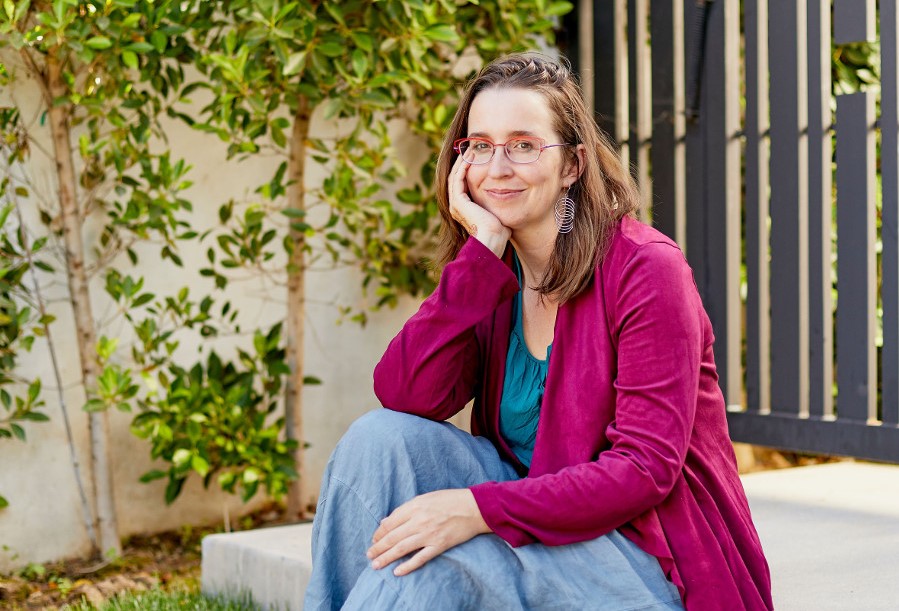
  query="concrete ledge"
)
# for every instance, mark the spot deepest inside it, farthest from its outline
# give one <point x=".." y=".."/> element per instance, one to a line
<point x="830" y="533"/>
<point x="270" y="565"/>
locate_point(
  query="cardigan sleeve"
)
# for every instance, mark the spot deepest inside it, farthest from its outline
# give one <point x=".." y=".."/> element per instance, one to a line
<point x="431" y="367"/>
<point x="657" y="325"/>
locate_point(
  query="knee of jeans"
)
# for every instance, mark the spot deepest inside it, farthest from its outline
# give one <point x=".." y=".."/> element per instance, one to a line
<point x="383" y="425"/>
<point x="377" y="437"/>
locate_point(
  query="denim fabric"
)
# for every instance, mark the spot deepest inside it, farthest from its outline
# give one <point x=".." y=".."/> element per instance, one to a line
<point x="387" y="458"/>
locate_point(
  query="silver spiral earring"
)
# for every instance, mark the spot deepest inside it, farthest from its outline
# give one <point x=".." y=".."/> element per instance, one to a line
<point x="564" y="213"/>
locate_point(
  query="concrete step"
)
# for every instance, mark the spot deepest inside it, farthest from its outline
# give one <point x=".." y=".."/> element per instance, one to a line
<point x="269" y="565"/>
<point x="830" y="533"/>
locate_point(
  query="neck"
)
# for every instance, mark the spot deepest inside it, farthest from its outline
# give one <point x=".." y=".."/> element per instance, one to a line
<point x="534" y="253"/>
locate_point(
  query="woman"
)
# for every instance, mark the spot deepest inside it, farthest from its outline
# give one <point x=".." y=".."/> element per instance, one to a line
<point x="600" y="469"/>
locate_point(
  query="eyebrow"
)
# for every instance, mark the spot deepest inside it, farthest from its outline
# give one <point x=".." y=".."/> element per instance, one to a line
<point x="515" y="134"/>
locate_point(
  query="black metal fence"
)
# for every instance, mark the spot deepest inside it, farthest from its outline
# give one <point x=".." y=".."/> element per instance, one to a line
<point x="726" y="116"/>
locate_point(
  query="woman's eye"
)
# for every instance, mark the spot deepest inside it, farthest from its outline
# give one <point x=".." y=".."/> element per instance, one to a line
<point x="481" y="146"/>
<point x="522" y="145"/>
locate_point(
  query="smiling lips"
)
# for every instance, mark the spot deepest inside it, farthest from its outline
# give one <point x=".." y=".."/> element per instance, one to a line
<point x="503" y="193"/>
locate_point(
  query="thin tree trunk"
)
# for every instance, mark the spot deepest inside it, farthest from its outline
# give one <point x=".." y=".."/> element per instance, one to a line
<point x="58" y="115"/>
<point x="296" y="309"/>
<point x="86" y="512"/>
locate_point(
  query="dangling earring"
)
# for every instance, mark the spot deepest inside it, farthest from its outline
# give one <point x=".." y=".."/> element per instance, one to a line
<point x="564" y="213"/>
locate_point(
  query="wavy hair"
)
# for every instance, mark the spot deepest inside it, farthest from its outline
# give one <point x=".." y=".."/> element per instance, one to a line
<point x="604" y="192"/>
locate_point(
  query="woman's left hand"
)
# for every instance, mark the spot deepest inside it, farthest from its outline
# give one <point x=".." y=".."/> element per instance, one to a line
<point x="431" y="523"/>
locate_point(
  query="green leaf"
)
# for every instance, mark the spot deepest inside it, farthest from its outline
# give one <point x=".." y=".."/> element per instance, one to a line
<point x="278" y="136"/>
<point x="442" y="33"/>
<point x="180" y="457"/>
<point x="227" y="480"/>
<point x="94" y="405"/>
<point x="35" y="417"/>
<point x="149" y="476"/>
<point x="173" y="489"/>
<point x="295" y="63"/>
<point x="363" y="40"/>
<point x="129" y="58"/>
<point x="98" y="42"/>
<point x="159" y="40"/>
<point x="378" y="99"/>
<point x="557" y="9"/>
<point x="332" y="49"/>
<point x="142" y="299"/>
<point x="336" y="13"/>
<point x="132" y="20"/>
<point x="199" y="464"/>
<point x="34" y="389"/>
<point x="293" y="213"/>
<point x="360" y="62"/>
<point x="3" y="502"/>
<point x="141" y="46"/>
<point x="250" y="476"/>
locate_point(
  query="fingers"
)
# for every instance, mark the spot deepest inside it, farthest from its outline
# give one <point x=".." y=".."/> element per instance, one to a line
<point x="417" y="561"/>
<point x="392" y="521"/>
<point x="398" y="544"/>
<point x="427" y="526"/>
<point x="458" y="197"/>
<point x="457" y="178"/>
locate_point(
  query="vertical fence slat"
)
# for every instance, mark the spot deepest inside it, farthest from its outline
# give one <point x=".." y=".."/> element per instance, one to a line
<point x="720" y="124"/>
<point x="610" y="87"/>
<point x="856" y="263"/>
<point x="693" y="154"/>
<point x="853" y="20"/>
<point x="789" y="208"/>
<point x="581" y="22"/>
<point x="758" y="321"/>
<point x="889" y="233"/>
<point x="820" y="211"/>
<point x="667" y="151"/>
<point x="640" y="99"/>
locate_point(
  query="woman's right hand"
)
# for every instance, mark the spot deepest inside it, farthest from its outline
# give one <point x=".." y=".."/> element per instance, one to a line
<point x="477" y="221"/>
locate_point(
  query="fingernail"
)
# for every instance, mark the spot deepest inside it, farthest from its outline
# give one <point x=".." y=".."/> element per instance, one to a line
<point x="376" y="565"/>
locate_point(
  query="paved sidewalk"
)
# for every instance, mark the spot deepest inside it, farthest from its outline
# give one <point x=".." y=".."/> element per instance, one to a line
<point x="830" y="533"/>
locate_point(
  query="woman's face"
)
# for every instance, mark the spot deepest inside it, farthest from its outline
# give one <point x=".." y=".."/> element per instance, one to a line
<point x="520" y="195"/>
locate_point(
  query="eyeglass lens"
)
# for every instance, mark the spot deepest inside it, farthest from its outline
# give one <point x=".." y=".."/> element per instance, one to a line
<point x="518" y="150"/>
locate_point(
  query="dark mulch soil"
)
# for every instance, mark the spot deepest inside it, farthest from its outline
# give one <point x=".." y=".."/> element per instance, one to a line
<point x="168" y="561"/>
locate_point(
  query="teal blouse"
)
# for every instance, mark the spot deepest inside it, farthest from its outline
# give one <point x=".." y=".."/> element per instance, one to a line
<point x="519" y="410"/>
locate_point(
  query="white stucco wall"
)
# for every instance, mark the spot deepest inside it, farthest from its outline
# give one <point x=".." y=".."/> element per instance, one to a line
<point x="43" y="521"/>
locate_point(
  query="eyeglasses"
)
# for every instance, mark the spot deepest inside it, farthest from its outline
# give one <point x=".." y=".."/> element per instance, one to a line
<point x="524" y="149"/>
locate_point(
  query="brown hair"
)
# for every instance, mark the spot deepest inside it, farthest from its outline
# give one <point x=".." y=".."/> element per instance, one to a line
<point x="603" y="193"/>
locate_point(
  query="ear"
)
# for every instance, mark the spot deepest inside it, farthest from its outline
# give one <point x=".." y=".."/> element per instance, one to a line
<point x="572" y="170"/>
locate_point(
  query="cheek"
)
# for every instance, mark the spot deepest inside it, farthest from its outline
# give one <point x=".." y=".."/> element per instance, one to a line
<point x="473" y="178"/>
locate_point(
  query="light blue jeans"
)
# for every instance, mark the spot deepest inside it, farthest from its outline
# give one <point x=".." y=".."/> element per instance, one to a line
<point x="387" y="458"/>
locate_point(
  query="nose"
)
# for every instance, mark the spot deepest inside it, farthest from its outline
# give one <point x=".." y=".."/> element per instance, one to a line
<point x="499" y="164"/>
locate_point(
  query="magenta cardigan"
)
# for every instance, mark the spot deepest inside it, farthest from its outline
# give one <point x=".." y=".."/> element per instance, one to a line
<point x="632" y="432"/>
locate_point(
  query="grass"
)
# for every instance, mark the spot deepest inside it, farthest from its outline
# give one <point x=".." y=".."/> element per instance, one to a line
<point x="158" y="600"/>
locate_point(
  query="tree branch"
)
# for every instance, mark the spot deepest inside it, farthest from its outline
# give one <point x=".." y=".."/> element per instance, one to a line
<point x="38" y="74"/>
